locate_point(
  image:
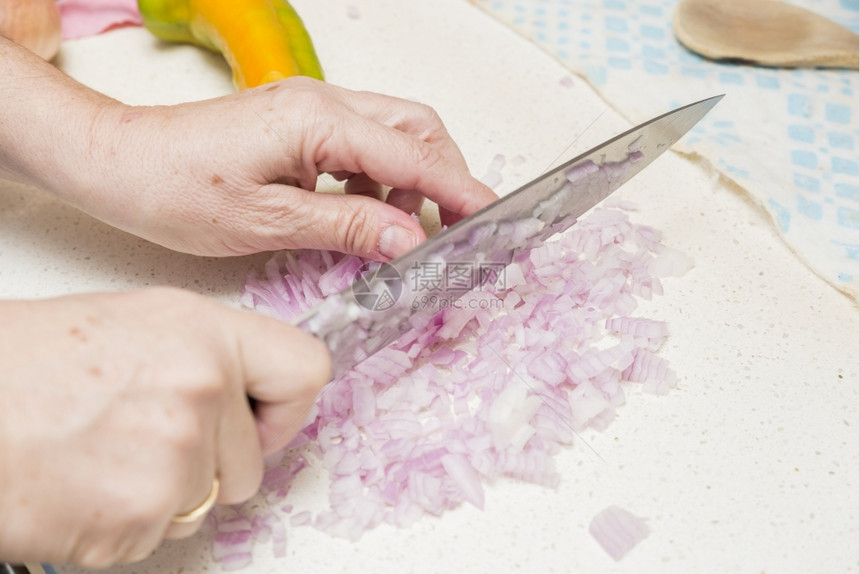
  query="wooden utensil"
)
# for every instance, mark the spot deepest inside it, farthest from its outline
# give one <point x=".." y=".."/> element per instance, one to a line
<point x="764" y="32"/>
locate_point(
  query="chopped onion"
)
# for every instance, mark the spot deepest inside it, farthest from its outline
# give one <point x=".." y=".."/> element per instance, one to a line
<point x="493" y="176"/>
<point x="465" y="478"/>
<point x="236" y="561"/>
<point x="670" y="263"/>
<point x="617" y="531"/>
<point x="300" y="518"/>
<point x="494" y="385"/>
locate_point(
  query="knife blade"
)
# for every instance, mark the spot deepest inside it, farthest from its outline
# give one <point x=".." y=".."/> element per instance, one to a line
<point x="385" y="299"/>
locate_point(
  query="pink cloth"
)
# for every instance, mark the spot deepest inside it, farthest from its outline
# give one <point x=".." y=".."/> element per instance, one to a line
<point x="81" y="18"/>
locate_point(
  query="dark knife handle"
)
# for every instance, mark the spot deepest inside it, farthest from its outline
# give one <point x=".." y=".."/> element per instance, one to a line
<point x="24" y="569"/>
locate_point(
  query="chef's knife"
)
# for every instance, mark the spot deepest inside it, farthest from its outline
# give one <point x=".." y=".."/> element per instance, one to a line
<point x="388" y="299"/>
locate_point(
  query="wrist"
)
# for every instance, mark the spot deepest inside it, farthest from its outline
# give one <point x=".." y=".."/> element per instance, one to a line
<point x="49" y="123"/>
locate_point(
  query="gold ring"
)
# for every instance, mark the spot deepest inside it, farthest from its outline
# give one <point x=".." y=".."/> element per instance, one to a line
<point x="195" y="513"/>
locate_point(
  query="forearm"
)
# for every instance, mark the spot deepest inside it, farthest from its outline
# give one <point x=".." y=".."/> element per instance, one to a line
<point x="47" y="122"/>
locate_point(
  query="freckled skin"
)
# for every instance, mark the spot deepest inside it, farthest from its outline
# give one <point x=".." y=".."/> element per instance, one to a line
<point x="76" y="333"/>
<point x="129" y="116"/>
<point x="143" y="416"/>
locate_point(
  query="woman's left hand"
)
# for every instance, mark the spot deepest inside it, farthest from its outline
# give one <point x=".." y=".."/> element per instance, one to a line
<point x="235" y="175"/>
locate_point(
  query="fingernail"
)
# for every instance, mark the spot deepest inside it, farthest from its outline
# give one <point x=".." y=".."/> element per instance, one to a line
<point x="395" y="241"/>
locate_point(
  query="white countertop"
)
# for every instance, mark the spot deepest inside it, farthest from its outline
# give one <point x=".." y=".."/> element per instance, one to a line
<point x="750" y="465"/>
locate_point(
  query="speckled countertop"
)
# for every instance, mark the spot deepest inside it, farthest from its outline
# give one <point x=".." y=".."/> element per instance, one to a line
<point x="750" y="465"/>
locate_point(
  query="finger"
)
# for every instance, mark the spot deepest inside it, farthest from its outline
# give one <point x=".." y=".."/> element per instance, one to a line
<point x="284" y="370"/>
<point x="177" y="531"/>
<point x="346" y="223"/>
<point x="144" y="540"/>
<point x="198" y="497"/>
<point x="402" y="161"/>
<point x="447" y="217"/>
<point x="141" y="550"/>
<point x="407" y="201"/>
<point x="127" y="545"/>
<point x="239" y="454"/>
<point x="139" y="557"/>
<point x="420" y="121"/>
<point x="127" y="529"/>
<point x="360" y="184"/>
<point x="413" y="118"/>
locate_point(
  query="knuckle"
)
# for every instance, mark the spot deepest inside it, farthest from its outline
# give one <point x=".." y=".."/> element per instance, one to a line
<point x="179" y="307"/>
<point x="426" y="155"/>
<point x="141" y="504"/>
<point x="184" y="435"/>
<point x="357" y="231"/>
<point x="432" y="128"/>
<point x="304" y="82"/>
<point x="429" y="115"/>
<point x="306" y="99"/>
<point x="308" y="95"/>
<point x="207" y="385"/>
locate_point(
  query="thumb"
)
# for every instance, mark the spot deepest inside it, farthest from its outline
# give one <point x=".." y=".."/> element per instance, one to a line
<point x="353" y="224"/>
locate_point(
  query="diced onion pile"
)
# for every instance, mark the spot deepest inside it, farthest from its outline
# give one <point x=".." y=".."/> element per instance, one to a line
<point x="493" y="387"/>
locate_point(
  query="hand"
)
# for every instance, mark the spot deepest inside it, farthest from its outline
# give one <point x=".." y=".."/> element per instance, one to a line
<point x="234" y="175"/>
<point x="117" y="410"/>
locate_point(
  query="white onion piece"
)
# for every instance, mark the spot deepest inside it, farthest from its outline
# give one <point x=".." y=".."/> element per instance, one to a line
<point x="232" y="548"/>
<point x="493" y="176"/>
<point x="494" y="386"/>
<point x="670" y="263"/>
<point x="464" y="476"/>
<point x="509" y="416"/>
<point x="617" y="531"/>
<point x="236" y="561"/>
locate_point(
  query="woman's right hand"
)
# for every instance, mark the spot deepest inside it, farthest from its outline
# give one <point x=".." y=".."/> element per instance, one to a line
<point x="118" y="410"/>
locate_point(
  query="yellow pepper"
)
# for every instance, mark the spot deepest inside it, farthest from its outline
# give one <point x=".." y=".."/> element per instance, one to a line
<point x="262" y="40"/>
